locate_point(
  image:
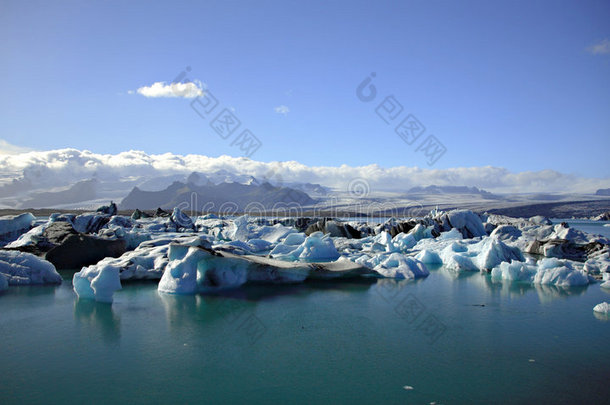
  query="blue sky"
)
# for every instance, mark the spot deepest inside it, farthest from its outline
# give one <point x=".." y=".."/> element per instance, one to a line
<point x="514" y="84"/>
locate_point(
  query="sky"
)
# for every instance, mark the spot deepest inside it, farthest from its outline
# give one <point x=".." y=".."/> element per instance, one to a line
<point x="521" y="85"/>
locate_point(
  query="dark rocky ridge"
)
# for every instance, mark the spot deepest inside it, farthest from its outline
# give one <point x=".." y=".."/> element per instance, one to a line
<point x="234" y="196"/>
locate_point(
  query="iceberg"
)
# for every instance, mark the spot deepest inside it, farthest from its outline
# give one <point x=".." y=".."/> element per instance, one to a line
<point x="97" y="283"/>
<point x="404" y="242"/>
<point x="11" y="226"/>
<point x="238" y="230"/>
<point x="603" y="308"/>
<point x="490" y="252"/>
<point x="449" y="235"/>
<point x="467" y="222"/>
<point x="428" y="257"/>
<point x="20" y="268"/>
<point x="294" y="239"/>
<point x="515" y="271"/>
<point x="316" y="247"/>
<point x="181" y="220"/>
<point x="560" y="273"/>
<point x="196" y="269"/>
<point x="399" y="266"/>
<point x="506" y="232"/>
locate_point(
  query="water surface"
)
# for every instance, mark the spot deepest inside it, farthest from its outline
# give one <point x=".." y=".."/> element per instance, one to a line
<point x="452" y="338"/>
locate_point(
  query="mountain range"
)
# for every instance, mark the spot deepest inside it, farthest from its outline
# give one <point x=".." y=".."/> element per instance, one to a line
<point x="213" y="197"/>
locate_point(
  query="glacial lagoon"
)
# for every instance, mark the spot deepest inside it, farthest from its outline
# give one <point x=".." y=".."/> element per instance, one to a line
<point x="446" y="339"/>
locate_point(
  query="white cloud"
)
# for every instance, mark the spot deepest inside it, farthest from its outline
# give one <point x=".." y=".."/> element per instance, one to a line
<point x="66" y="166"/>
<point x="162" y="89"/>
<point x="10" y="149"/>
<point x="601" y="48"/>
<point x="282" y="109"/>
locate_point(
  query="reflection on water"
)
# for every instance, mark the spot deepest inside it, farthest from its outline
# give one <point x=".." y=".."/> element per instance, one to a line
<point x="233" y="303"/>
<point x="456" y="275"/>
<point x="98" y="318"/>
<point x="601" y="317"/>
<point x="33" y="290"/>
<point x="546" y="292"/>
<point x="349" y="341"/>
<point x="237" y="311"/>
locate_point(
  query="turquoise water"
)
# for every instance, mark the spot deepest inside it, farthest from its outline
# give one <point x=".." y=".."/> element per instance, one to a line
<point x="594" y="227"/>
<point x="453" y="339"/>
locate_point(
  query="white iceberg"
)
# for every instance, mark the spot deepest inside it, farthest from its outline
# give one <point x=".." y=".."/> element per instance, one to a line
<point x="294" y="239"/>
<point x="403" y="242"/>
<point x="11" y="226"/>
<point x="452" y="234"/>
<point x="19" y="268"/>
<point x="560" y="273"/>
<point x="603" y="308"/>
<point x="181" y="220"/>
<point x="316" y="247"/>
<point x="467" y="222"/>
<point x="399" y="266"/>
<point x="515" y="271"/>
<point x="490" y="252"/>
<point x="97" y="283"/>
<point x="428" y="257"/>
<point x="194" y="269"/>
<point x="29" y="238"/>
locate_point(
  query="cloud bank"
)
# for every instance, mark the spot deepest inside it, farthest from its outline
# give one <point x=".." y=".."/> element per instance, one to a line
<point x="66" y="166"/>
<point x="162" y="89"/>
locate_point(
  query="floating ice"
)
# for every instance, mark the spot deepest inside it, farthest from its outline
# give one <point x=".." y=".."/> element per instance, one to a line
<point x="97" y="282"/>
<point x="561" y="273"/>
<point x="515" y="271"/>
<point x="452" y="234"/>
<point x="316" y="247"/>
<point x="420" y="232"/>
<point x="181" y="220"/>
<point x="19" y="268"/>
<point x="11" y="226"/>
<point x="238" y="230"/>
<point x="193" y="269"/>
<point x="490" y="252"/>
<point x="89" y="223"/>
<point x="399" y="266"/>
<point x="404" y="242"/>
<point x="30" y="238"/>
<point x="603" y="308"/>
<point x="506" y="232"/>
<point x="294" y="239"/>
<point x="428" y="257"/>
<point x="467" y="222"/>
